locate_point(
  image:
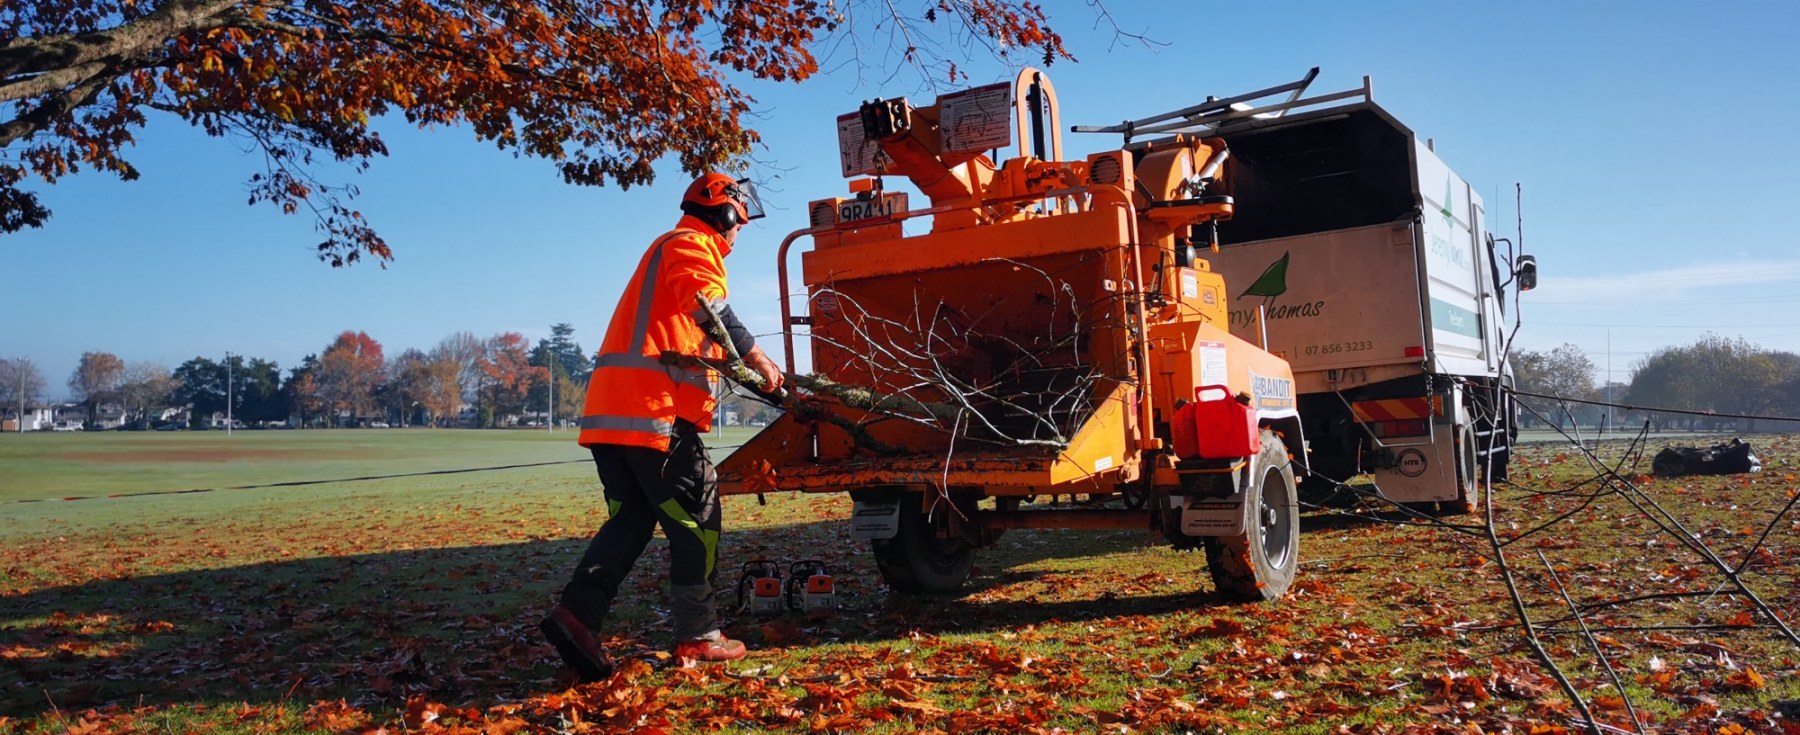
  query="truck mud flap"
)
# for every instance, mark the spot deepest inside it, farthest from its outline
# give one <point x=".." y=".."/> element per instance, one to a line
<point x="875" y="519"/>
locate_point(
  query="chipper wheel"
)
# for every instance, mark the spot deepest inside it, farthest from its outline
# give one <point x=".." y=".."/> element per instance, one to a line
<point x="917" y="560"/>
<point x="1259" y="565"/>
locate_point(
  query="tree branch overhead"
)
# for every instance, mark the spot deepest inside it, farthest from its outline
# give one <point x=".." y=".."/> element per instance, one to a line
<point x="601" y="89"/>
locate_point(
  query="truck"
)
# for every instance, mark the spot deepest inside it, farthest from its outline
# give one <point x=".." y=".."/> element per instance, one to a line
<point x="1041" y="330"/>
<point x="1361" y="258"/>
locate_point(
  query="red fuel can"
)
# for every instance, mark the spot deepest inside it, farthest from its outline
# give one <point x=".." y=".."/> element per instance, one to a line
<point x="1223" y="427"/>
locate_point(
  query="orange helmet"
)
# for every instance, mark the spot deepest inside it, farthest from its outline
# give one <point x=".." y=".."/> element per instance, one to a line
<point x="716" y="190"/>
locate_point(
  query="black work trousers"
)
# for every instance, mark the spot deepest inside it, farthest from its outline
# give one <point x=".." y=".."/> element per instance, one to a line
<point x="645" y="488"/>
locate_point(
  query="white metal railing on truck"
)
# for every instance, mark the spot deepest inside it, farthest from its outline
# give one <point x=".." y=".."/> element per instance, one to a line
<point x="1209" y="117"/>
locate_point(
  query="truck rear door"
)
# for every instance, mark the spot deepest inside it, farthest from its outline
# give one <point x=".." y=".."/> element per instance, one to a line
<point x="1337" y="300"/>
<point x="1451" y="218"/>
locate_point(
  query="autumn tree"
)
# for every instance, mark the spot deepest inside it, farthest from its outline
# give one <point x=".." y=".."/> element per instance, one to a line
<point x="146" y="387"/>
<point x="569" y="394"/>
<point x="302" y="391"/>
<point x="1565" y="372"/>
<point x="443" y="393"/>
<point x="464" y="350"/>
<point x="403" y="384"/>
<point x="507" y="377"/>
<point x="412" y="383"/>
<point x="21" y="385"/>
<point x="603" y="89"/>
<point x="349" y="370"/>
<point x="95" y="379"/>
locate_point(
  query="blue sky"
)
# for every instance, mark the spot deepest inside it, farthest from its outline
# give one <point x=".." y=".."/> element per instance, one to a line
<point x="1654" y="141"/>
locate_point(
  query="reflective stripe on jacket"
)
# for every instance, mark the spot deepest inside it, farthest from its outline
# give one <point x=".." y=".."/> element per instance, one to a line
<point x="633" y="399"/>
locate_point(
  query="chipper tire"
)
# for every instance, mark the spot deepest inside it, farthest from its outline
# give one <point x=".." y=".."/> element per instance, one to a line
<point x="916" y="561"/>
<point x="1259" y="565"/>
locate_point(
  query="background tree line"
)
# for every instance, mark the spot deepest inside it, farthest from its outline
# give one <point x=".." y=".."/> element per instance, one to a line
<point x="1714" y="375"/>
<point x="352" y="381"/>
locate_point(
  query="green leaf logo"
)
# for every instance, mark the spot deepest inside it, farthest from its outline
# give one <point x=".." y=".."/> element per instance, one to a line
<point x="1449" y="199"/>
<point x="1272" y="282"/>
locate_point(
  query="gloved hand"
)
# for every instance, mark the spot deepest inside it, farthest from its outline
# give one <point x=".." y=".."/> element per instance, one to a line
<point x="772" y="378"/>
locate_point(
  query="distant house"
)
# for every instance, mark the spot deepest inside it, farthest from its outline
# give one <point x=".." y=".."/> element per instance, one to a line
<point x="106" y="415"/>
<point x="109" y="416"/>
<point x="37" y="418"/>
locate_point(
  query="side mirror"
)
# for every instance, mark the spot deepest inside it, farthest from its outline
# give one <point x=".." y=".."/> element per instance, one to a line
<point x="1526" y="273"/>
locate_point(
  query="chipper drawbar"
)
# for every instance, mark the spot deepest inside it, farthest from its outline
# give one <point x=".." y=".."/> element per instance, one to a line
<point x="1054" y="334"/>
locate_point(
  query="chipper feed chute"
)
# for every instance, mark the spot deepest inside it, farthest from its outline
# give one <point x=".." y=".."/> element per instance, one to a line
<point x="1048" y="336"/>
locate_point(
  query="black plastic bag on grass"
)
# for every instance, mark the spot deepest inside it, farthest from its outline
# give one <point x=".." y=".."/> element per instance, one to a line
<point x="1731" y="458"/>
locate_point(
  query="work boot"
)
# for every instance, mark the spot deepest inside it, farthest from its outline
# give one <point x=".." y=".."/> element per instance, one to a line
<point x="713" y="646"/>
<point x="577" y="645"/>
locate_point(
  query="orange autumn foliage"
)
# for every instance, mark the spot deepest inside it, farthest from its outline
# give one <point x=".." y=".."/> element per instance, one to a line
<point x="601" y="88"/>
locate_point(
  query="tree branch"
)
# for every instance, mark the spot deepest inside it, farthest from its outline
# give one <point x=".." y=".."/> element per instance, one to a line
<point x="55" y="107"/>
<point x="40" y="56"/>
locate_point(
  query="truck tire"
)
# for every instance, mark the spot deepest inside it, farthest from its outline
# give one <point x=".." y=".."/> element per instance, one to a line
<point x="1469" y="480"/>
<point x="916" y="561"/>
<point x="1259" y="565"/>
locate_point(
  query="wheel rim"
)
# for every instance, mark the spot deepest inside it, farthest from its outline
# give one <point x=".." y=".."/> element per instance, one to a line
<point x="1276" y="523"/>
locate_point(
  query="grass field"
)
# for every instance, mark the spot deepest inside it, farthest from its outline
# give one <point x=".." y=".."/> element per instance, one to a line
<point x="409" y="602"/>
<point x="51" y="465"/>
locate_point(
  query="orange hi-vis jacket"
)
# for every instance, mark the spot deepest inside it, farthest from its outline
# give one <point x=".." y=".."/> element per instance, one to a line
<point x="633" y="398"/>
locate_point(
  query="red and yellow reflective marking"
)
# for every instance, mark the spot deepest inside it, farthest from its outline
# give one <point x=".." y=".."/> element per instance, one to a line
<point x="1398" y="409"/>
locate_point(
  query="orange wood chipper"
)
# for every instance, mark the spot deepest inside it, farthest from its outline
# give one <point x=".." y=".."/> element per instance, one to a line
<point x="1043" y="330"/>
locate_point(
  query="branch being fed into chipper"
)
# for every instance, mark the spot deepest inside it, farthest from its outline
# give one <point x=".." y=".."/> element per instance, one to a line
<point x="810" y="408"/>
<point x="806" y="407"/>
<point x="733" y="367"/>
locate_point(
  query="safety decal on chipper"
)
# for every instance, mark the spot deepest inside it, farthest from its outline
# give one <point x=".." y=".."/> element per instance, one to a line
<point x="1397" y="409"/>
<point x="1214" y="364"/>
<point x="856" y="153"/>
<point x="1211" y="516"/>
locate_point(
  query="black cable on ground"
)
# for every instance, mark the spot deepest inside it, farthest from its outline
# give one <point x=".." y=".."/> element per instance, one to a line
<point x="300" y="483"/>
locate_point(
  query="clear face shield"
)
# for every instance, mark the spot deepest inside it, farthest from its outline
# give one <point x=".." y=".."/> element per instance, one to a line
<point x="745" y="193"/>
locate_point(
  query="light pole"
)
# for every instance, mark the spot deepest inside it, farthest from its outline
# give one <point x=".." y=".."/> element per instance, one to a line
<point x="1609" y="379"/>
<point x="228" y="379"/>
<point x="550" y="407"/>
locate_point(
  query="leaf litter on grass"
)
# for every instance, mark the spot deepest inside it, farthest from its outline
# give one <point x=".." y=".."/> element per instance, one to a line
<point x="411" y="607"/>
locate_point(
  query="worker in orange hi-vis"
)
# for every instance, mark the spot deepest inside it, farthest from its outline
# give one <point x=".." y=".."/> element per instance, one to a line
<point x="643" y="420"/>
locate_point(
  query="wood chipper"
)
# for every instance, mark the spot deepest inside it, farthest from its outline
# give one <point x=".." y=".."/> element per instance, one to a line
<point x="1051" y="351"/>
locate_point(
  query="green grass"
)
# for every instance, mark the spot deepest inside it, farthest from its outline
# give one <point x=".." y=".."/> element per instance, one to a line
<point x="51" y="465"/>
<point x="256" y="610"/>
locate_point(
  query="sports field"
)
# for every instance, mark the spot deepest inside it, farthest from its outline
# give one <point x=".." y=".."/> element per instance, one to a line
<point x="362" y="581"/>
<point x="49" y="465"/>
